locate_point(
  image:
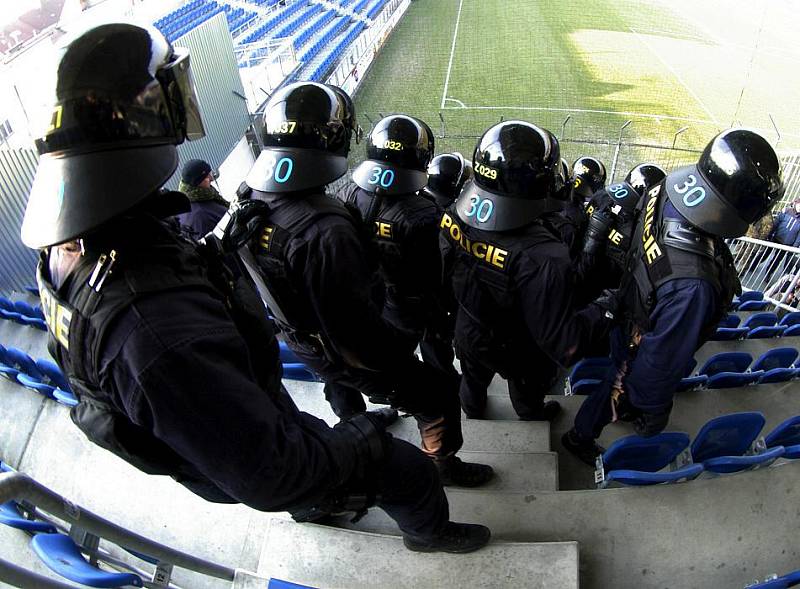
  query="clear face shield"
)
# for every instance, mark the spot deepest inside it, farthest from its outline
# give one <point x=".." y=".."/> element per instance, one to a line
<point x="178" y="84"/>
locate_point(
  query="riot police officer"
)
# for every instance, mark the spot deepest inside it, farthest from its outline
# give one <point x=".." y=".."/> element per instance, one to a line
<point x="316" y="280"/>
<point x="385" y="198"/>
<point x="680" y="280"/>
<point x="612" y="212"/>
<point x="511" y="273"/>
<point x="587" y="177"/>
<point x="174" y="363"/>
<point x="447" y="174"/>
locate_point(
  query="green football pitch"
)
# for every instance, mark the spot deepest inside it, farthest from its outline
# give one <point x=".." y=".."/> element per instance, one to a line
<point x="584" y="68"/>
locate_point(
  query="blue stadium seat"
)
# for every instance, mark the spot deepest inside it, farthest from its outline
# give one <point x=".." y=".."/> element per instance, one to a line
<point x="760" y="320"/>
<point x="64" y="557"/>
<point x="778" y="375"/>
<point x="299" y="371"/>
<point x="724" y="334"/>
<point x="792" y="331"/>
<point x="588" y="368"/>
<point x="721" y="444"/>
<point x="637" y="461"/>
<point x="691" y="383"/>
<point x="14" y="361"/>
<point x="730" y="320"/>
<point x="787" y="434"/>
<point x="286" y="354"/>
<point x="11" y="515"/>
<point x="766" y="332"/>
<point x="753" y="306"/>
<point x="67" y="398"/>
<point x="789" y="580"/>
<point x="726" y="362"/>
<point x="751" y="295"/>
<point x="732" y="380"/>
<point x="776" y="358"/>
<point x="789" y="319"/>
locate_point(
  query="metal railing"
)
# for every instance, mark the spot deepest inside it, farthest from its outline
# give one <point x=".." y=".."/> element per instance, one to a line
<point x="771" y="268"/>
<point x="20" y="487"/>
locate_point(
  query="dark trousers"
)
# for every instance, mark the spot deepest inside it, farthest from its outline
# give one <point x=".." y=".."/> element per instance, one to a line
<point x="527" y="386"/>
<point x="437" y="351"/>
<point x="410" y="491"/>
<point x="595" y="412"/>
<point x="415" y="388"/>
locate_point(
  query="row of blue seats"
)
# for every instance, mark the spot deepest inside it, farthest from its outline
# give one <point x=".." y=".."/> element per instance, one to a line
<point x="179" y="12"/>
<point x="267" y="27"/>
<point x="332" y="33"/>
<point x="301" y="20"/>
<point x="725" y="445"/>
<point x="376" y="8"/>
<point x="315" y="28"/>
<point x="721" y="371"/>
<point x="758" y="326"/>
<point x="45" y="377"/>
<point x="194" y="24"/>
<point x="749" y="298"/>
<point x="194" y="16"/>
<point x="22" y="313"/>
<point x="42" y="376"/>
<point x="361" y="6"/>
<point x="320" y="73"/>
<point x="61" y="554"/>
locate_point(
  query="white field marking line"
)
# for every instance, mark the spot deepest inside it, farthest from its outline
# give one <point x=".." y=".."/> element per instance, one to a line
<point x="674" y="73"/>
<point x="452" y="53"/>
<point x="463" y="106"/>
<point x="587" y="110"/>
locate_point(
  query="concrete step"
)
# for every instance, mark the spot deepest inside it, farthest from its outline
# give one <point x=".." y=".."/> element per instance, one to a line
<point x="720" y="532"/>
<point x="479" y="435"/>
<point x="518" y="472"/>
<point x="323" y="557"/>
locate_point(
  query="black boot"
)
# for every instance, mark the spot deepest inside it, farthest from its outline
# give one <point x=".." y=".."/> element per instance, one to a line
<point x="455" y="472"/>
<point x="548" y="412"/>
<point x="455" y="538"/>
<point x="586" y="452"/>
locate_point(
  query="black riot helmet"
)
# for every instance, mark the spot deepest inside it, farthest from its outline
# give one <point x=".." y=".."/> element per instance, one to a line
<point x="588" y="176"/>
<point x="399" y="149"/>
<point x="123" y="100"/>
<point x="517" y="176"/>
<point x="306" y="135"/>
<point x="447" y="174"/>
<point x="350" y="120"/>
<point x="644" y="177"/>
<point x="736" y="181"/>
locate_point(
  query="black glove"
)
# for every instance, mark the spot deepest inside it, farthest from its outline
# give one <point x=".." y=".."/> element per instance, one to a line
<point x="597" y="231"/>
<point x="240" y="223"/>
<point x="609" y="301"/>
<point x="650" y="424"/>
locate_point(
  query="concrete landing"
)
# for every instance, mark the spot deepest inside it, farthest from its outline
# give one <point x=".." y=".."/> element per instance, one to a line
<point x="327" y="557"/>
<point x="720" y="532"/>
<point x="479" y="435"/>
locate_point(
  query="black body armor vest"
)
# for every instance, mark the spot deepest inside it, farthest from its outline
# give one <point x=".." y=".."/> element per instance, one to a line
<point x="390" y="219"/>
<point x="666" y="249"/>
<point x="480" y="265"/>
<point x="287" y="219"/>
<point x="154" y="260"/>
